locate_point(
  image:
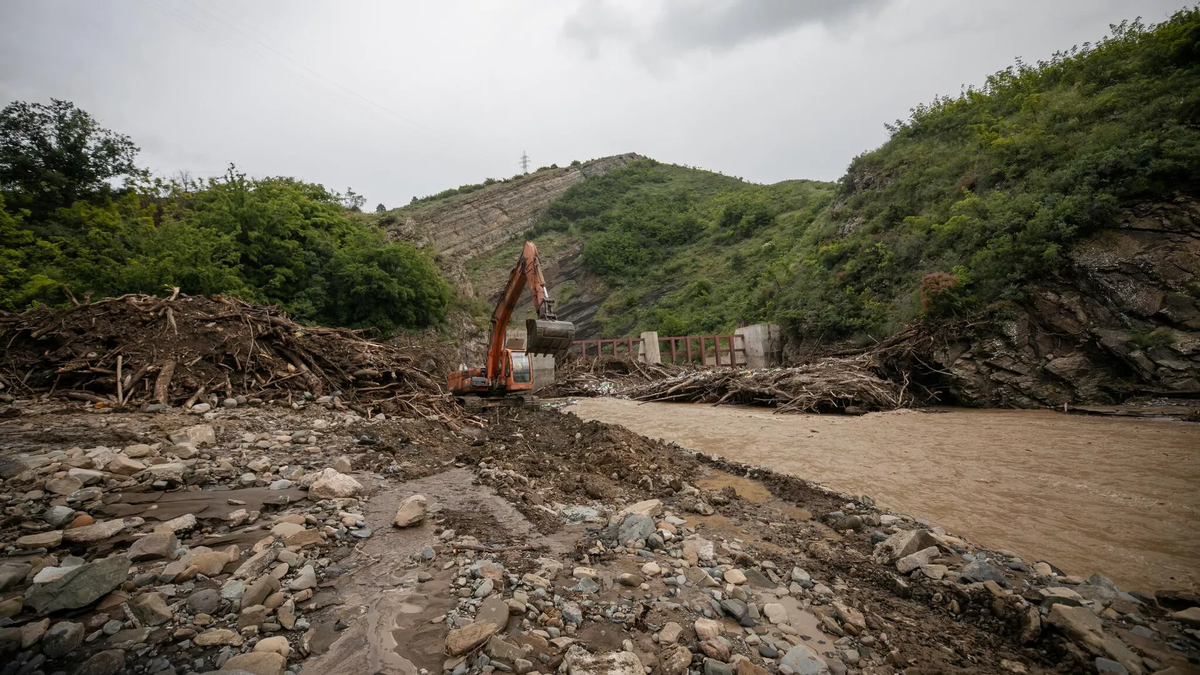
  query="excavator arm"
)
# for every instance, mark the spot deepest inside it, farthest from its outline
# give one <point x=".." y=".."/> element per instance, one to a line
<point x="545" y="334"/>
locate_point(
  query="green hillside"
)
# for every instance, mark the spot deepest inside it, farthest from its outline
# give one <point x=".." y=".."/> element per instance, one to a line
<point x="973" y="197"/>
<point x="69" y="230"/>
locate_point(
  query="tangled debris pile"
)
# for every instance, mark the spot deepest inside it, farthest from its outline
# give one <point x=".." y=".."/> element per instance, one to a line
<point x="146" y="350"/>
<point x="828" y="385"/>
<point x="606" y="374"/>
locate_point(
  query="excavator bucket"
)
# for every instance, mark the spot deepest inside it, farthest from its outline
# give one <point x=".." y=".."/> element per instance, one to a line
<point x="549" y="337"/>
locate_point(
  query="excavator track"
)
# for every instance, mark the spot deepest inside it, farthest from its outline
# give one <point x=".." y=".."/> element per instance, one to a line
<point x="475" y="404"/>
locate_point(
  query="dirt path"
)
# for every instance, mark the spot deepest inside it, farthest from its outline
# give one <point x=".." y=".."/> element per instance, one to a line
<point x="1085" y="493"/>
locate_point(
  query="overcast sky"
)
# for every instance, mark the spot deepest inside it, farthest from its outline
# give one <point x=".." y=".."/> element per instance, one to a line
<point x="397" y="99"/>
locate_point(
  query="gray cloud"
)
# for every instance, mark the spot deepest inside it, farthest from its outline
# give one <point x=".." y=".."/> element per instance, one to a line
<point x="397" y="99"/>
<point x="716" y="26"/>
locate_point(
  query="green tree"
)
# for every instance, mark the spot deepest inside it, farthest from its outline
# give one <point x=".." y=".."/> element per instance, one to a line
<point x="54" y="154"/>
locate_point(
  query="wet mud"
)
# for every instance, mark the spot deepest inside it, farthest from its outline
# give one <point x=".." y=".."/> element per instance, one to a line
<point x="1085" y="493"/>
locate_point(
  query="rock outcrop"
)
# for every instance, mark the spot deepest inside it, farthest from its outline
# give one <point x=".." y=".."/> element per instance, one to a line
<point x="473" y="224"/>
<point x="1123" y="319"/>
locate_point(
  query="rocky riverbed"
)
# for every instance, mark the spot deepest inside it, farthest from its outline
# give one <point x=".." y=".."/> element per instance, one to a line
<point x="307" y="538"/>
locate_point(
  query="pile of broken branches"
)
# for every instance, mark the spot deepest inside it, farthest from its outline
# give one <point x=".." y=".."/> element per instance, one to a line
<point x="576" y="375"/>
<point x="846" y="385"/>
<point x="136" y="350"/>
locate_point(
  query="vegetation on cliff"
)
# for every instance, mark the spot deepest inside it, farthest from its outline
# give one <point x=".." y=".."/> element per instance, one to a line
<point x="973" y="197"/>
<point x="77" y="217"/>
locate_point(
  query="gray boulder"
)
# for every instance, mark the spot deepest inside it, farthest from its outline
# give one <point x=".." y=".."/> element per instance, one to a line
<point x="79" y="587"/>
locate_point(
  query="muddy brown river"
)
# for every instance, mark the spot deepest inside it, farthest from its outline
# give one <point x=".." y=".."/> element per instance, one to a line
<point x="1087" y="494"/>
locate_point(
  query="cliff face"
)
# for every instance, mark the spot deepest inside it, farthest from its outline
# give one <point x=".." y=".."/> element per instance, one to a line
<point x="1122" y="319"/>
<point x="473" y="224"/>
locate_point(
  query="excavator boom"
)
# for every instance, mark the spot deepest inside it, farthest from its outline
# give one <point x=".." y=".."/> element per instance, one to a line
<point x="507" y="370"/>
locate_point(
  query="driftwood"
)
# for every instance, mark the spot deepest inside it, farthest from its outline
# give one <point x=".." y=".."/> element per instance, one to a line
<point x="827" y="385"/>
<point x="102" y="352"/>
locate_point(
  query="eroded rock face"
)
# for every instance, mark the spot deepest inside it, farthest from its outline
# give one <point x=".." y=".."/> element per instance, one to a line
<point x="1123" y="318"/>
<point x="479" y="222"/>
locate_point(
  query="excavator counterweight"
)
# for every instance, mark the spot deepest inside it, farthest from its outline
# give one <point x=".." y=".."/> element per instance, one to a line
<point x="508" y="375"/>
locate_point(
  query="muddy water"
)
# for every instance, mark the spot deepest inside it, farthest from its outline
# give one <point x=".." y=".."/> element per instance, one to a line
<point x="1088" y="494"/>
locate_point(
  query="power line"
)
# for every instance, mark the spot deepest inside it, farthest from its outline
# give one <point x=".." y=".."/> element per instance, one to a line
<point x="524" y="162"/>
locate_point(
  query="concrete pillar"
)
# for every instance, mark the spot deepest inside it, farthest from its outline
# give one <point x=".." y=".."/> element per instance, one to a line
<point x="543" y="370"/>
<point x="763" y="343"/>
<point x="648" y="351"/>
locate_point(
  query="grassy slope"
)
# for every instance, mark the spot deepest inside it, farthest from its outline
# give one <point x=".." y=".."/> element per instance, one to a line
<point x="654" y="232"/>
<point x="972" y="198"/>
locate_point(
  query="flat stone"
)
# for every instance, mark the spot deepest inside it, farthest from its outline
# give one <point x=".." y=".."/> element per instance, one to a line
<point x="648" y="507"/>
<point x="309" y="537"/>
<point x="462" y="640"/>
<point x="12" y="574"/>
<point x="181" y="524"/>
<point x="172" y="472"/>
<point x="775" y="613"/>
<point x="1087" y="630"/>
<point x="79" y="587"/>
<point x="1189" y="617"/>
<point x="124" y="466"/>
<point x="200" y="434"/>
<point x="10" y="468"/>
<point x="151" y="609"/>
<point x="286" y="530"/>
<point x="1109" y="667"/>
<point x="63" y="638"/>
<point x="982" y="570"/>
<point x="714" y="666"/>
<point x="58" y="516"/>
<point x="108" y="662"/>
<point x="277" y="644"/>
<point x="499" y="648"/>
<point x="578" y="661"/>
<point x="205" y="601"/>
<point x="100" y="531"/>
<point x="32" y="632"/>
<point x="256" y="564"/>
<point x="674" y="660"/>
<point x="903" y="543"/>
<point x="410" y="512"/>
<point x="850" y="616"/>
<point x="914" y="560"/>
<point x="634" y="527"/>
<point x="306" y="578"/>
<point x="87" y="476"/>
<point x="258" y="663"/>
<point x="707" y="628"/>
<point x="259" y="591"/>
<point x="697" y="550"/>
<point x="494" y="610"/>
<point x="63" y="486"/>
<point x="734" y="576"/>
<point x="210" y="564"/>
<point x="218" y="636"/>
<point x="154" y="546"/>
<point x="802" y="660"/>
<point x="41" y="540"/>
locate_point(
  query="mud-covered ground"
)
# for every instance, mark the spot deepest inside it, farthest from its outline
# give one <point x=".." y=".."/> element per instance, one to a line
<point x="261" y="539"/>
<point x="1088" y="493"/>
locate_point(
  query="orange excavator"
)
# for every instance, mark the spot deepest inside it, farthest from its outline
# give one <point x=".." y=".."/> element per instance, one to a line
<point x="507" y="379"/>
